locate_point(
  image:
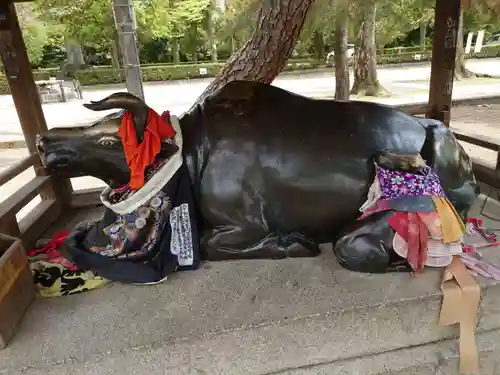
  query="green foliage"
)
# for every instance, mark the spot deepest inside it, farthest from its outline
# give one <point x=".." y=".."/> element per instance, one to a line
<point x="237" y="22"/>
<point x="480" y="16"/>
<point x="164" y="25"/>
<point x="396" y="18"/>
<point x="35" y="35"/>
<point x="86" y="21"/>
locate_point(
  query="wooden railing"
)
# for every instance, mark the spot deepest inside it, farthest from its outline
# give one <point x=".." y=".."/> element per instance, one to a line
<point x="36" y="222"/>
<point x="485" y="172"/>
<point x="423" y="107"/>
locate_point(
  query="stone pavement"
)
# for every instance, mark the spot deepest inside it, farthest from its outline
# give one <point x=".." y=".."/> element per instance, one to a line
<point x="294" y="316"/>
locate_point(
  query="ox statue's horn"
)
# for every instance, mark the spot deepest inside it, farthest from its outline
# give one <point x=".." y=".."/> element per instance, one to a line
<point x="118" y="100"/>
<point x="126" y="101"/>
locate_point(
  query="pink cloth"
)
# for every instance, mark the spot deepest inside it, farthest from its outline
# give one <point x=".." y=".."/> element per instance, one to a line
<point x="414" y="231"/>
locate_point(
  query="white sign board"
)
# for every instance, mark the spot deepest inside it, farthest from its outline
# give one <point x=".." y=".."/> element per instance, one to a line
<point x="203" y="71"/>
<point x="468" y="46"/>
<point x="479" y="41"/>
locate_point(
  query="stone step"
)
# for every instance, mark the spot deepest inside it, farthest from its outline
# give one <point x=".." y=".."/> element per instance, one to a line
<point x="249" y="317"/>
<point x="439" y="358"/>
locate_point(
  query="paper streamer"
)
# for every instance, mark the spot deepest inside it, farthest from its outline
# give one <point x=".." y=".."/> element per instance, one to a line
<point x="461" y="295"/>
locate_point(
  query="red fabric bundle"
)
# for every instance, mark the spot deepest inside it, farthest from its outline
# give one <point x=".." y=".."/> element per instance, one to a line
<point x="141" y="155"/>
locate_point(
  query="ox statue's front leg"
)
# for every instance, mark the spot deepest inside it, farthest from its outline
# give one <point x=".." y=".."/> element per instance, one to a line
<point x="250" y="242"/>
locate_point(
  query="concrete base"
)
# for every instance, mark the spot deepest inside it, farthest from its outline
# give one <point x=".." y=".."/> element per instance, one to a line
<point x="294" y="316"/>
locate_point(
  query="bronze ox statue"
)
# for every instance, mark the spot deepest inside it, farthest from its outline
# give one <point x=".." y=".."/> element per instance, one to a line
<point x="275" y="174"/>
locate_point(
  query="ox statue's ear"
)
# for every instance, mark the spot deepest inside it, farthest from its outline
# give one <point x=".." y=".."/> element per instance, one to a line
<point x="128" y="102"/>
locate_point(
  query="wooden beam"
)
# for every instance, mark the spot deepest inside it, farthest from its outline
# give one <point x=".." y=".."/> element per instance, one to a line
<point x="33" y="225"/>
<point x="485" y="172"/>
<point x="23" y="196"/>
<point x="25" y="94"/>
<point x="17" y="168"/>
<point x="423" y="107"/>
<point x="20" y="77"/>
<point x="477" y="140"/>
<point x="444" y="48"/>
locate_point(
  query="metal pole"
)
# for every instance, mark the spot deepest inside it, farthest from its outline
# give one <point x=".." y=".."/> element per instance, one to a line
<point x="123" y="12"/>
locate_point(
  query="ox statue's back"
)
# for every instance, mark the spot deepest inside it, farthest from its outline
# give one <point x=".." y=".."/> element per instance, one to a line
<point x="275" y="174"/>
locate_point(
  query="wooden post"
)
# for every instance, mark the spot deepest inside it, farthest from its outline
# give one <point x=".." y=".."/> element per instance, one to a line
<point x="444" y="47"/>
<point x="123" y="12"/>
<point x="24" y="92"/>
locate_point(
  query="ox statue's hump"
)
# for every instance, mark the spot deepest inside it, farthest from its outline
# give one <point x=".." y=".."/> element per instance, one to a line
<point x="270" y="114"/>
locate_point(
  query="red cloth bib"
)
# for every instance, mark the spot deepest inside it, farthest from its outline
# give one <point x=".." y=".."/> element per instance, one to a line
<point x="140" y="155"/>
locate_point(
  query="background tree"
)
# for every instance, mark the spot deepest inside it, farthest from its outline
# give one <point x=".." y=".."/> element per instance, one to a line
<point x="256" y="36"/>
<point x="85" y="21"/>
<point x="481" y="14"/>
<point x="342" y="83"/>
<point x="365" y="64"/>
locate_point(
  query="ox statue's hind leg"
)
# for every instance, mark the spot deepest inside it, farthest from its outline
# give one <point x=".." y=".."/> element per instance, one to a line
<point x="253" y="243"/>
<point x="366" y="246"/>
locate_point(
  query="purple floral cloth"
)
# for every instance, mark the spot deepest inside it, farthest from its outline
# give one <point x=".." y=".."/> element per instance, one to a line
<point x="395" y="184"/>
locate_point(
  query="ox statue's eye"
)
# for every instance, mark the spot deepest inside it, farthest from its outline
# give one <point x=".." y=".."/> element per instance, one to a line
<point x="107" y="142"/>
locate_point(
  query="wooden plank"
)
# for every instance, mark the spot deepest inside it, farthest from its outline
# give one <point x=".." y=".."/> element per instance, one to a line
<point x="86" y="197"/>
<point x="9" y="226"/>
<point x="477" y="139"/>
<point x="23" y="196"/>
<point x="478" y="100"/>
<point x="20" y="78"/>
<point x="423" y="107"/>
<point x="444" y="46"/>
<point x="414" y="109"/>
<point x="33" y="225"/>
<point x="17" y="290"/>
<point x="17" y="168"/>
<point x="485" y="172"/>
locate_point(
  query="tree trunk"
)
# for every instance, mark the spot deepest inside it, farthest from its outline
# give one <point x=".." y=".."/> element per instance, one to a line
<point x="366" y="82"/>
<point x="263" y="57"/>
<point x="193" y="42"/>
<point x="233" y="45"/>
<point x="174" y="41"/>
<point x="115" y="53"/>
<point x="342" y="84"/>
<point x="175" y="50"/>
<point x="460" y="69"/>
<point x="210" y="33"/>
<point x="74" y="53"/>
<point x="319" y="45"/>
<point x="423" y="34"/>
